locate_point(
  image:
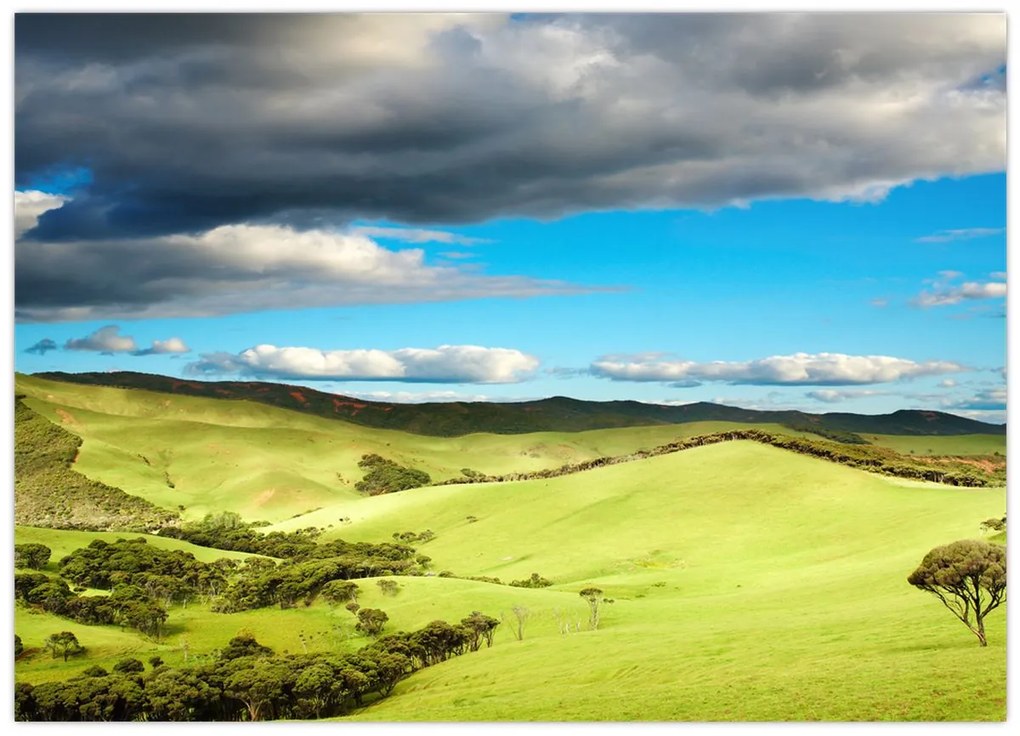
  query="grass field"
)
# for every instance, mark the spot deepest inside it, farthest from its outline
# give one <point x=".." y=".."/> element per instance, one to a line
<point x="749" y="583"/>
<point x="271" y="464"/>
<point x="961" y="444"/>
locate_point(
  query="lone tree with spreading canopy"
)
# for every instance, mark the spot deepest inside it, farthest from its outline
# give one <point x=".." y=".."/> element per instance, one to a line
<point x="969" y="577"/>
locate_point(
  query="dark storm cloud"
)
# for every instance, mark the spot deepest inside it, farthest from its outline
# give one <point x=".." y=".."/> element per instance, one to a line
<point x="189" y="122"/>
<point x="236" y="268"/>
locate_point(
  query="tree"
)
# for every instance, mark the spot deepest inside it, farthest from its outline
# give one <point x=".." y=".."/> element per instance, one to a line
<point x="63" y="644"/>
<point x="371" y="621"/>
<point x="994" y="525"/>
<point x="18" y="646"/>
<point x="388" y="587"/>
<point x="520" y="617"/>
<point x="339" y="591"/>
<point x="969" y="577"/>
<point x="32" y="556"/>
<point x="594" y="597"/>
<point x="129" y="666"/>
<point x="481" y="627"/>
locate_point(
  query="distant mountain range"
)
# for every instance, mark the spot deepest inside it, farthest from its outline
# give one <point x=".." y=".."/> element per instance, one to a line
<point x="559" y="413"/>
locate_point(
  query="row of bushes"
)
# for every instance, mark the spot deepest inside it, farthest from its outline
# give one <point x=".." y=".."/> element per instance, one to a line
<point x="248" y="682"/>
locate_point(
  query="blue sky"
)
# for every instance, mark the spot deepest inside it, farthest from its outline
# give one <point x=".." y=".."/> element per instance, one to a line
<point x="840" y="264"/>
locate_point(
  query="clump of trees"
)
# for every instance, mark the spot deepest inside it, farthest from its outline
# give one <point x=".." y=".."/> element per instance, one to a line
<point x="249" y="682"/>
<point x="63" y="644"/>
<point x="968" y="577"/>
<point x="262" y="584"/>
<point x="385" y="476"/>
<point x="371" y="621"/>
<point x="411" y="537"/>
<point x="535" y="581"/>
<point x="31" y="556"/>
<point x="994" y="525"/>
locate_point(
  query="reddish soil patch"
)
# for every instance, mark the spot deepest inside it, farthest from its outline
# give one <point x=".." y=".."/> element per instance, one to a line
<point x="298" y="396"/>
<point x="338" y="406"/>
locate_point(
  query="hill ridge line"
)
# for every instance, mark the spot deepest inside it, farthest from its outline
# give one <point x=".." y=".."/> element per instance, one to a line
<point x="454" y="419"/>
<point x="816" y="449"/>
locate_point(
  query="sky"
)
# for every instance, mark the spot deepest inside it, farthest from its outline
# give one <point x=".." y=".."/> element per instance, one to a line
<point x="768" y="211"/>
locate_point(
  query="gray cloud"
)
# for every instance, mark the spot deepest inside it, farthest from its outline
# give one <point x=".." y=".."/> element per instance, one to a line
<point x="799" y="369"/>
<point x="42" y="347"/>
<point x="986" y="400"/>
<point x="445" y="364"/>
<point x="108" y="340"/>
<point x="235" y="269"/>
<point x="189" y="122"/>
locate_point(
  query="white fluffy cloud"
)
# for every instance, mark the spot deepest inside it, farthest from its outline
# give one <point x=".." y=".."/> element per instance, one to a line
<point x="104" y="340"/>
<point x="799" y="369"/>
<point x="29" y="205"/>
<point x="445" y="364"/>
<point x="171" y="346"/>
<point x="237" y="268"/>
<point x="109" y="340"/>
<point x="945" y="291"/>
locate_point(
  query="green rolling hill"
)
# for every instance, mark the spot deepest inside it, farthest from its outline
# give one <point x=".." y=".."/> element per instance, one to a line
<point x="748" y="582"/>
<point x="562" y="414"/>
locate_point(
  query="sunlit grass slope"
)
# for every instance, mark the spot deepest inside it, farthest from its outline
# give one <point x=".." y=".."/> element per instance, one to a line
<point x="749" y="583"/>
<point x="268" y="463"/>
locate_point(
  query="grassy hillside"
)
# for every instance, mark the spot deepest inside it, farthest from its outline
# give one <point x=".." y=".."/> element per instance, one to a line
<point x="749" y="584"/>
<point x="48" y="492"/>
<point x="562" y="414"/>
<point x="267" y="463"/>
<point x="961" y="445"/>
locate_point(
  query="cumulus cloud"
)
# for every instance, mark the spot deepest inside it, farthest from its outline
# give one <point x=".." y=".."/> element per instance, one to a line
<point x="947" y="383"/>
<point x="108" y="340"/>
<point x="42" y="347"/>
<point x="29" y="205"/>
<point x="799" y="369"/>
<point x="945" y="291"/>
<point x="445" y="364"/>
<point x="104" y="340"/>
<point x="238" y="268"/>
<point x="171" y="346"/>
<point x="423" y="118"/>
<point x="969" y="233"/>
